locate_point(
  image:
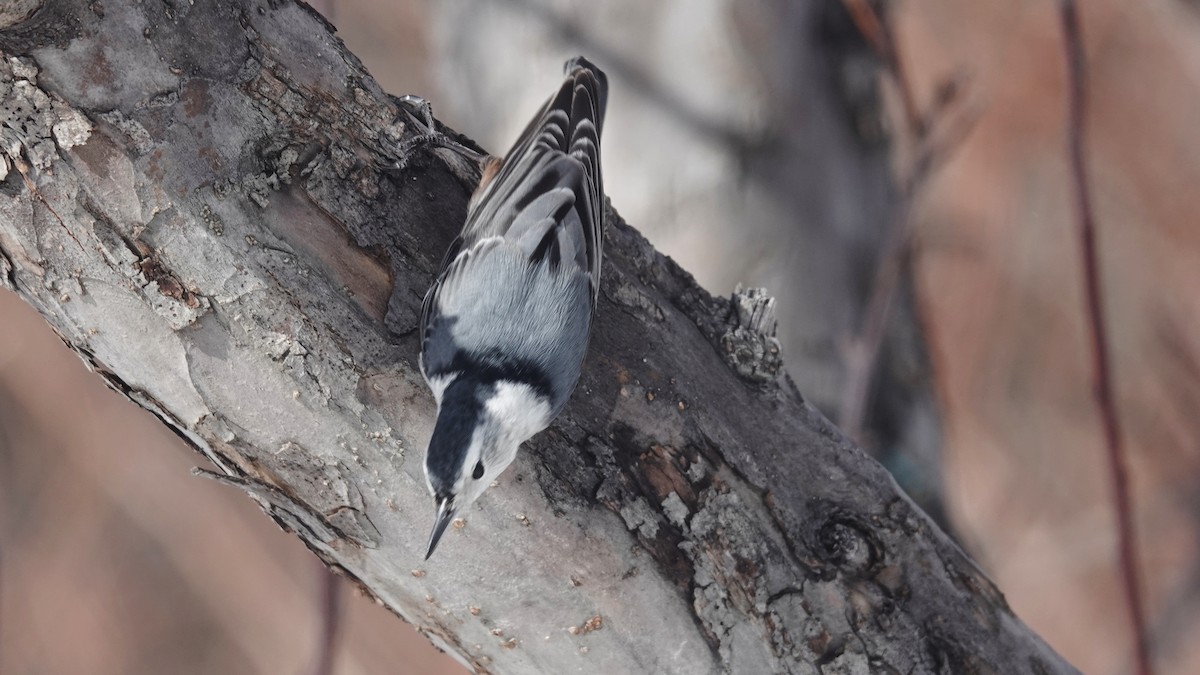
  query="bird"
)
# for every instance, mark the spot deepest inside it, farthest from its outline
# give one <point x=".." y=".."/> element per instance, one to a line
<point x="506" y="323"/>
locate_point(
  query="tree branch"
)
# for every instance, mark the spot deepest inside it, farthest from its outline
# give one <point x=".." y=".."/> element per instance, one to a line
<point x="1105" y="398"/>
<point x="249" y="268"/>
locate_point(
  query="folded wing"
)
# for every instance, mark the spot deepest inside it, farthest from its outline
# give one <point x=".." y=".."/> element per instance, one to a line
<point x="541" y="207"/>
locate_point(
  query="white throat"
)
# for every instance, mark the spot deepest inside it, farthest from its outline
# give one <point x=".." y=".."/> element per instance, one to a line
<point x="518" y="410"/>
<point x="511" y="415"/>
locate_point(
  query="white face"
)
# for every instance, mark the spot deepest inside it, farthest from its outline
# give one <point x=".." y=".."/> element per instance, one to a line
<point x="512" y="415"/>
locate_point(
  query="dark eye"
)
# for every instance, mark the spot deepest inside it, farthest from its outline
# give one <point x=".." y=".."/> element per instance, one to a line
<point x="478" y="472"/>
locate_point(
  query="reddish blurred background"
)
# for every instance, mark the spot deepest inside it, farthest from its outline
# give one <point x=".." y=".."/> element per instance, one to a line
<point x="113" y="559"/>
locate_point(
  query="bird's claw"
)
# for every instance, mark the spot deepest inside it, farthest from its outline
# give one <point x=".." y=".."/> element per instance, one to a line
<point x="420" y="116"/>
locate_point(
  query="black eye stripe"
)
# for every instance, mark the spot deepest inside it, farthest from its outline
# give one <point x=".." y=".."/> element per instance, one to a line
<point x="478" y="472"/>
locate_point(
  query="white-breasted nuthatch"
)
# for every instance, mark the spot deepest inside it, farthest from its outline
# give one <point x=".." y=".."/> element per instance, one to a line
<point x="505" y="326"/>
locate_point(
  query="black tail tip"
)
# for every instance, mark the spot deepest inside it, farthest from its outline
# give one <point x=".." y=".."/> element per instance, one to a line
<point x="581" y="63"/>
<point x="581" y="71"/>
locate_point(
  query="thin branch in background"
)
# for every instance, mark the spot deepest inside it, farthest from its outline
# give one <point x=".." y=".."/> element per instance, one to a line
<point x="1127" y="541"/>
<point x="330" y="618"/>
<point x="933" y="144"/>
<point x="1" y="604"/>
<point x="863" y="350"/>
<point x="877" y="35"/>
<point x="5" y="470"/>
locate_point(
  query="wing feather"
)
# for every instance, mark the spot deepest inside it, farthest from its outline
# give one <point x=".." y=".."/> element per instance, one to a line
<point x="558" y="150"/>
<point x="546" y="196"/>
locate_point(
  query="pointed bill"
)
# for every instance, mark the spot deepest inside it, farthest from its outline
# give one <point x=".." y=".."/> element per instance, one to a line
<point x="445" y="514"/>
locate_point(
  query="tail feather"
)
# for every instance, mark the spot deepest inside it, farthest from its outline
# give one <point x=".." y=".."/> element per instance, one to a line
<point x="512" y="203"/>
<point x="594" y="80"/>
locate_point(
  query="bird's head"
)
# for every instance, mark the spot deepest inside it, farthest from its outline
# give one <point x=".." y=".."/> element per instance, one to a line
<point x="479" y="427"/>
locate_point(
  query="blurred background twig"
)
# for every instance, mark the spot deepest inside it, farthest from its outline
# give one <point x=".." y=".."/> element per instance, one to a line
<point x="330" y="593"/>
<point x="1075" y="61"/>
<point x="932" y="146"/>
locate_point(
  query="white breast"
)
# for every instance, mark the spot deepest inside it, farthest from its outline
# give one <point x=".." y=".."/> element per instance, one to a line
<point x="519" y="410"/>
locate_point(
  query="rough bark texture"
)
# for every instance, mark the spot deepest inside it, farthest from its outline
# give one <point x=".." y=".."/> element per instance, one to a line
<point x="194" y="197"/>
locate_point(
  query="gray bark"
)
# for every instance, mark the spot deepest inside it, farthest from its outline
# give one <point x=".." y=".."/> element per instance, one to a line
<point x="195" y="199"/>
